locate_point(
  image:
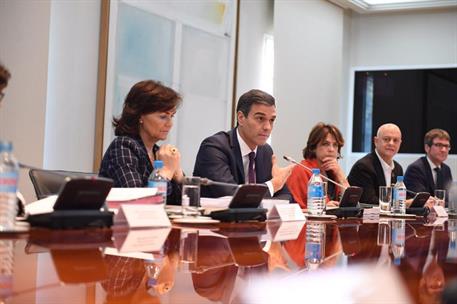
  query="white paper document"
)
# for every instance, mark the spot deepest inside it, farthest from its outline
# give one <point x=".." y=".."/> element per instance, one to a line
<point x="44" y="205"/>
<point x="129" y="194"/>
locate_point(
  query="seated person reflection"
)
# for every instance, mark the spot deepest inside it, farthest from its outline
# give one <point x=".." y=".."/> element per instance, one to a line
<point x="429" y="172"/>
<point x="242" y="155"/>
<point x="322" y="151"/>
<point x="147" y="117"/>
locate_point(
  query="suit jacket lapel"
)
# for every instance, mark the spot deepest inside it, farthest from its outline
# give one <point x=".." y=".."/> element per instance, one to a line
<point x="378" y="169"/>
<point x="428" y="174"/>
<point x="235" y="146"/>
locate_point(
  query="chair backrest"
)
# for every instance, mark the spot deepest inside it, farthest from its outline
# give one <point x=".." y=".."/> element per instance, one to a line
<point x="49" y="182"/>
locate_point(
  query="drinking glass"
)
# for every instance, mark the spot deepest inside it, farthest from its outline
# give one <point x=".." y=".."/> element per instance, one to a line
<point x="191" y="196"/>
<point x="385" y="198"/>
<point x="440" y="197"/>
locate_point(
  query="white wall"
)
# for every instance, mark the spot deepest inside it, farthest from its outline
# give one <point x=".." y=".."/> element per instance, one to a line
<point x="308" y="64"/>
<point x="415" y="38"/>
<point x="72" y="85"/>
<point x="256" y="19"/>
<point x="316" y="45"/>
<point x="49" y="109"/>
<point x="24" y="37"/>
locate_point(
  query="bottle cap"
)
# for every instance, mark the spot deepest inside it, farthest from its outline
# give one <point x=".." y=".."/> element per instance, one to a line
<point x="316" y="171"/>
<point x="6" y="146"/>
<point x="158" y="164"/>
<point x="399" y="178"/>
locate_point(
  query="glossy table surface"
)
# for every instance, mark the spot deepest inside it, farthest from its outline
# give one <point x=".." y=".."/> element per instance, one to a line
<point x="216" y="263"/>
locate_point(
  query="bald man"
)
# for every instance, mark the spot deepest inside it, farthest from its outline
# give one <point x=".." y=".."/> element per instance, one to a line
<point x="378" y="167"/>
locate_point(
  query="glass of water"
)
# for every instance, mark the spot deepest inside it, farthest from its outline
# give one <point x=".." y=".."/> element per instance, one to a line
<point x="191" y="196"/>
<point x="440" y="197"/>
<point x="385" y="198"/>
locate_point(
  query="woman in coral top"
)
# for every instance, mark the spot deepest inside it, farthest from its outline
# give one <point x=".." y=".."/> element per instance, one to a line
<point x="322" y="151"/>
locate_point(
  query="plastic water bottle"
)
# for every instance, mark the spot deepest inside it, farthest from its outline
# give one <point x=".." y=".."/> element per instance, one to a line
<point x="315" y="245"/>
<point x="9" y="174"/>
<point x="398" y="240"/>
<point x="157" y="181"/>
<point x="316" y="202"/>
<point x="399" y="197"/>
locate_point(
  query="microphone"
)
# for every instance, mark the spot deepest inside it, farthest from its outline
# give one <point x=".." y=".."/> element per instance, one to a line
<point x="290" y="159"/>
<point x="207" y="182"/>
<point x="28" y="167"/>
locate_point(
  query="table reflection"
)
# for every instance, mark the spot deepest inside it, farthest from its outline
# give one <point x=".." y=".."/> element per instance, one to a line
<point x="217" y="264"/>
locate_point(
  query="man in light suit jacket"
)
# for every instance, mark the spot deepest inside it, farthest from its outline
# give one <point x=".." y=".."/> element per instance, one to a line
<point x="242" y="154"/>
<point x="429" y="172"/>
<point x="378" y="167"/>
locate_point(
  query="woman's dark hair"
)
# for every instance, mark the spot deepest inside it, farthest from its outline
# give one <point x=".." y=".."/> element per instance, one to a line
<point x="317" y="135"/>
<point x="145" y="97"/>
<point x="4" y="75"/>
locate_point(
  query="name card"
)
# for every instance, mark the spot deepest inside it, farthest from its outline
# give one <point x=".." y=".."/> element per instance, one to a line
<point x="288" y="212"/>
<point x="440" y="211"/>
<point x="141" y="240"/>
<point x="137" y="216"/>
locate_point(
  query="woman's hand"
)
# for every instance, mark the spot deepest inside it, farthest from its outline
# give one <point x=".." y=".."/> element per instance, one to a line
<point x="171" y="158"/>
<point x="333" y="204"/>
<point x="331" y="164"/>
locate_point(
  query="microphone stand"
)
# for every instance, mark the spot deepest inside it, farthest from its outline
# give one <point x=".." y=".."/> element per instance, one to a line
<point x="290" y="159"/>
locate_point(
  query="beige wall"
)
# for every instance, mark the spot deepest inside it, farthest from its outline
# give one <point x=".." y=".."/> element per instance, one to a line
<point x="308" y="70"/>
<point x="24" y="45"/>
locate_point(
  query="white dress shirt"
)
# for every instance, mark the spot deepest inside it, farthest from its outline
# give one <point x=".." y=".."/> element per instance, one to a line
<point x="387" y="170"/>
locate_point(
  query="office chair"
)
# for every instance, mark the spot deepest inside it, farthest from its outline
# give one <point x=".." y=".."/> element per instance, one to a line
<point x="49" y="182"/>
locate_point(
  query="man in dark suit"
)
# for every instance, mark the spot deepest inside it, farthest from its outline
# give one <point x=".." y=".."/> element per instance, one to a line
<point x="429" y="172"/>
<point x="242" y="154"/>
<point x="378" y="167"/>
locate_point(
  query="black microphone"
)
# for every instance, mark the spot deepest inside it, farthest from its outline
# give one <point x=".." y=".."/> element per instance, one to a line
<point x="290" y="159"/>
<point x="25" y="166"/>
<point x="208" y="182"/>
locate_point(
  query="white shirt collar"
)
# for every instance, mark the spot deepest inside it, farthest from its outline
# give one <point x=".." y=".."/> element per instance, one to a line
<point x="387" y="169"/>
<point x="245" y="150"/>
<point x="383" y="163"/>
<point x="432" y="165"/>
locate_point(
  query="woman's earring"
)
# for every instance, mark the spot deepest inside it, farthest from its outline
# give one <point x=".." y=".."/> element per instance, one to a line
<point x="141" y="121"/>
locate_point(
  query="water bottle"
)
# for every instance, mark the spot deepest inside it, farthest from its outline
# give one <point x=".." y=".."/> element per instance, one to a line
<point x="316" y="202"/>
<point x="157" y="181"/>
<point x="9" y="174"/>
<point x="399" y="197"/>
<point x="398" y="240"/>
<point x="315" y="245"/>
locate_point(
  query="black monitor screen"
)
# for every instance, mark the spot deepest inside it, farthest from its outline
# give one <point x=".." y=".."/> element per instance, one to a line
<point x="415" y="100"/>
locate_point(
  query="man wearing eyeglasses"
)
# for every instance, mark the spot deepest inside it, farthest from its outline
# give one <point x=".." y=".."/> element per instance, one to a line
<point x="429" y="172"/>
<point x="378" y="167"/>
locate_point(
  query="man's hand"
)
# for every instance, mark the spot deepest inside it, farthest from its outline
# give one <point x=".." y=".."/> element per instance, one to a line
<point x="279" y="174"/>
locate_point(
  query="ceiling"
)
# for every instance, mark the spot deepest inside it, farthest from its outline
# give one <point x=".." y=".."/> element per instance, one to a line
<point x="373" y="6"/>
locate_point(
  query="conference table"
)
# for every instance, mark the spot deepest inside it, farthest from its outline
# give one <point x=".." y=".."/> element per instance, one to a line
<point x="372" y="260"/>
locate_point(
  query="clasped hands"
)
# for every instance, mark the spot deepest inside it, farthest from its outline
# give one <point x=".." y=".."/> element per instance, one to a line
<point x="171" y="158"/>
